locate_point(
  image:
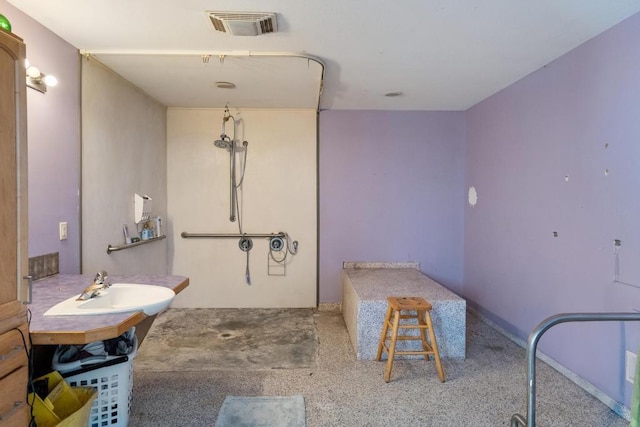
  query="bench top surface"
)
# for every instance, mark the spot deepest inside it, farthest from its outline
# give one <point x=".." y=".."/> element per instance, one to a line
<point x="376" y="284"/>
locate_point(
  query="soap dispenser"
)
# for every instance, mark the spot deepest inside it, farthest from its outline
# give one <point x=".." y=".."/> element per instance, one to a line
<point x="142" y="207"/>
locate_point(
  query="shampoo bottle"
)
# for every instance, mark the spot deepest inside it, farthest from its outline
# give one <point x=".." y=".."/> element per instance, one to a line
<point x="158" y="226"/>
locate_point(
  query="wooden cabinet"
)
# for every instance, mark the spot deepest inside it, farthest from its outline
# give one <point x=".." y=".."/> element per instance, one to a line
<point x="13" y="233"/>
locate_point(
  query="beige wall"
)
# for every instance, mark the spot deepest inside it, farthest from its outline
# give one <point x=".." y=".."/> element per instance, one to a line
<point x="123" y="153"/>
<point x="279" y="194"/>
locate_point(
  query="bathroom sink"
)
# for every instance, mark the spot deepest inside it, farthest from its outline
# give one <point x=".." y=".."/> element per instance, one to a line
<point x="118" y="298"/>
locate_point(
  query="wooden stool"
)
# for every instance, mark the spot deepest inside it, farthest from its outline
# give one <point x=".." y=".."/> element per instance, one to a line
<point x="418" y="308"/>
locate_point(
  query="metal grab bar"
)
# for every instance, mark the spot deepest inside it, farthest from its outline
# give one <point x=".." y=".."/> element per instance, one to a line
<point x="186" y="235"/>
<point x="134" y="244"/>
<point x="532" y="344"/>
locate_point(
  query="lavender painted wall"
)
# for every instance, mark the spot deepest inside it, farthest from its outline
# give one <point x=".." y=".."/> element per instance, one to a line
<point x="391" y="189"/>
<point x="559" y="151"/>
<point x="54" y="142"/>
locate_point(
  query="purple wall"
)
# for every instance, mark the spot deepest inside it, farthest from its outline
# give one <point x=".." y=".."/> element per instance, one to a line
<point x="54" y="142"/>
<point x="537" y="153"/>
<point x="391" y="189"/>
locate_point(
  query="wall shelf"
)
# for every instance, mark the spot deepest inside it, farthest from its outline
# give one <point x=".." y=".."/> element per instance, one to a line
<point x="131" y="245"/>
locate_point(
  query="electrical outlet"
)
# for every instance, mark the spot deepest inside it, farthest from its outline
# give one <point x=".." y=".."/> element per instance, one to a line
<point x="630" y="366"/>
<point x="63" y="231"/>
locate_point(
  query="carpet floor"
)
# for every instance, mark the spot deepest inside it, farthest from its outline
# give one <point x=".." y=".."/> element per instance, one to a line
<point x="484" y="390"/>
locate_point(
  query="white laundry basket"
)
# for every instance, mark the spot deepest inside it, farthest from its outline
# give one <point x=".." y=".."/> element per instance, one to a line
<point x="113" y="379"/>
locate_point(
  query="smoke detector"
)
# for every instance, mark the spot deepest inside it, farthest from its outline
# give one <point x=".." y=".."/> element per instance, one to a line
<point x="244" y="23"/>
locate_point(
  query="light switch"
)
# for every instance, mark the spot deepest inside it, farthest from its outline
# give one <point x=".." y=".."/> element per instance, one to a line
<point x="63" y="231"/>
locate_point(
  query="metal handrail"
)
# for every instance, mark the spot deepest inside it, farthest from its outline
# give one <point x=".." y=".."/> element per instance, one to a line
<point x="186" y="235"/>
<point x="134" y="244"/>
<point x="517" y="419"/>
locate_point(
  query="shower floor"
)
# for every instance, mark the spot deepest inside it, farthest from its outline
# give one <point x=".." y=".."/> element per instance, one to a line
<point x="199" y="339"/>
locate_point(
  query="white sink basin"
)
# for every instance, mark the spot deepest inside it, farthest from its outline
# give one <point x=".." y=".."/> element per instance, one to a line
<point x="118" y="298"/>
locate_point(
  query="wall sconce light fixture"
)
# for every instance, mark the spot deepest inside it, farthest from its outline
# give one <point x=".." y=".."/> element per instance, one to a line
<point x="38" y="81"/>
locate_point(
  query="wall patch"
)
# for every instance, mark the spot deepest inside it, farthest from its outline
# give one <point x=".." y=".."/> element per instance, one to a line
<point x="473" y="196"/>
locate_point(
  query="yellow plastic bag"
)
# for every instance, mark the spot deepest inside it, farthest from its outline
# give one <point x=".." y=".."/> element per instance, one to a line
<point x="64" y="406"/>
<point x="43" y="411"/>
<point x="80" y="418"/>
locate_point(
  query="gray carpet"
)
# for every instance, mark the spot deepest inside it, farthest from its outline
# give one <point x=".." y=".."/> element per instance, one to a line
<point x="482" y="391"/>
<point x="262" y="411"/>
<point x="230" y="339"/>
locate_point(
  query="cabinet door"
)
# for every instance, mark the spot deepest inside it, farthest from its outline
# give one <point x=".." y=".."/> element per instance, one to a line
<point x="13" y="405"/>
<point x="13" y="230"/>
<point x="13" y="172"/>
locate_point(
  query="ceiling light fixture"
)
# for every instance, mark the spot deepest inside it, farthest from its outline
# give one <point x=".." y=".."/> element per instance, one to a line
<point x="37" y="80"/>
<point x="393" y="94"/>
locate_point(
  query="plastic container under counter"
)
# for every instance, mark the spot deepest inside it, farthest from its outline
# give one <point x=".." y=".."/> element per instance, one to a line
<point x="113" y="379"/>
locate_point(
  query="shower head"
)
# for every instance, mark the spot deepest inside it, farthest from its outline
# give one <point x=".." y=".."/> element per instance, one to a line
<point x="224" y="142"/>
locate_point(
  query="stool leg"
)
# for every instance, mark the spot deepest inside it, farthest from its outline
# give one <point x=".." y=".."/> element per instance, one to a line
<point x="392" y="346"/>
<point x="423" y="333"/>
<point x="434" y="346"/>
<point x="383" y="336"/>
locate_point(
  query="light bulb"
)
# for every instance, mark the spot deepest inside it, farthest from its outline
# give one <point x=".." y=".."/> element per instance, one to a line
<point x="33" y="72"/>
<point x="4" y="23"/>
<point x="50" y="80"/>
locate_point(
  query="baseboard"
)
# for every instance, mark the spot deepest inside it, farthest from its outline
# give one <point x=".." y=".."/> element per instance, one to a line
<point x="616" y="407"/>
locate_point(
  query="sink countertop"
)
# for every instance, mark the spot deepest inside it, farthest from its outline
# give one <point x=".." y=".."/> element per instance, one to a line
<point x="51" y="290"/>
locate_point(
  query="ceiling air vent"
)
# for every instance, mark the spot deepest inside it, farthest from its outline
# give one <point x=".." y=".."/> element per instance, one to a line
<point x="244" y="23"/>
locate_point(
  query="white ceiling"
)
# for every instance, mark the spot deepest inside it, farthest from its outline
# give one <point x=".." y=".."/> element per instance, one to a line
<point x="441" y="54"/>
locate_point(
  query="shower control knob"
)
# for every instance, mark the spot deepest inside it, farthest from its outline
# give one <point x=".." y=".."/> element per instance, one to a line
<point x="245" y="244"/>
<point x="276" y="244"/>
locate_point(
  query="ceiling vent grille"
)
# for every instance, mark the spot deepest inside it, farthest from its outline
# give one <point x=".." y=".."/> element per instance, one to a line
<point x="244" y="23"/>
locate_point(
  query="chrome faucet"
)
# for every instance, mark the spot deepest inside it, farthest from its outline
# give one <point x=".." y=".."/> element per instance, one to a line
<point x="97" y="285"/>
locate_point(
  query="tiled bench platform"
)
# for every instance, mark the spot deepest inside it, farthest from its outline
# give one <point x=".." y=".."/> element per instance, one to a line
<point x="365" y="288"/>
